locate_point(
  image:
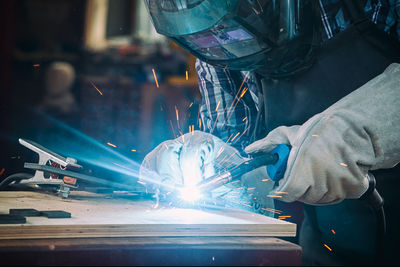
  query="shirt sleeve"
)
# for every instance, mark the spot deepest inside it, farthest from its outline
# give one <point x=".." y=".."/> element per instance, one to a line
<point x="228" y="109"/>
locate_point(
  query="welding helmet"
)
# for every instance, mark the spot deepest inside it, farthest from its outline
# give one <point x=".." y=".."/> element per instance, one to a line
<point x="275" y="36"/>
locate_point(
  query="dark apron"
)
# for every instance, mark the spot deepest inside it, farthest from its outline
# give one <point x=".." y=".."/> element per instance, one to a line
<point x="343" y="64"/>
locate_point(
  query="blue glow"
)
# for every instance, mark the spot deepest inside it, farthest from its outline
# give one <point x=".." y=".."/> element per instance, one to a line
<point x="93" y="152"/>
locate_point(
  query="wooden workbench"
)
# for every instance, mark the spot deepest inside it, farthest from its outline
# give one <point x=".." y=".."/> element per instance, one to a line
<point x="117" y="231"/>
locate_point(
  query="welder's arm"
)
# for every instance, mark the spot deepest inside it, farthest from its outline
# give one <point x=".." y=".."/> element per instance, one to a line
<point x="333" y="151"/>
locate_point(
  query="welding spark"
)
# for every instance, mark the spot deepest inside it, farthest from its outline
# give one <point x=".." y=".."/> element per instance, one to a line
<point x="191" y="104"/>
<point x="36" y="65"/>
<point x="245" y="118"/>
<point x="230" y="110"/>
<point x="215" y="123"/>
<point x="243" y="92"/>
<point x="333" y="232"/>
<point x="108" y="143"/>
<point x="272" y="210"/>
<point x="274" y="196"/>
<point x="282" y="217"/>
<point x="219" y="152"/>
<point x="344" y="164"/>
<point x="96" y="88"/>
<point x="327" y="247"/>
<point x="177" y="115"/>
<point x="264" y="180"/>
<point x="235" y="137"/>
<point x="219" y="102"/>
<point x="251" y="188"/>
<point x="155" y="78"/>
<point x="172" y="127"/>
<point x="133" y="150"/>
<point x="315" y="135"/>
<point x="244" y="132"/>
<point x="284" y="193"/>
<point x="140" y="182"/>
<point x="2" y="171"/>
<point x="229" y="138"/>
<point x="187" y="75"/>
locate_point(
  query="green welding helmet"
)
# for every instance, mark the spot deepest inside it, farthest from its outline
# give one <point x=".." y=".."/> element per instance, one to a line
<point x="275" y="36"/>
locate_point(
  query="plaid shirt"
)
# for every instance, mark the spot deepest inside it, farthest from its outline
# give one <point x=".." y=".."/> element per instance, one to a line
<point x="231" y="117"/>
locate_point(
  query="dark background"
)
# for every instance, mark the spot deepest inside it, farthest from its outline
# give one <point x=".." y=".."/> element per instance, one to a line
<point x="132" y="113"/>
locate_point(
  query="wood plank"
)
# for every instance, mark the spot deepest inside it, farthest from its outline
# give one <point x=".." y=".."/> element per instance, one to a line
<point x="98" y="216"/>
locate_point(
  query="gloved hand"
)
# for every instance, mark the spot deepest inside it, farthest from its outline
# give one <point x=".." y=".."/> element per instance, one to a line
<point x="188" y="159"/>
<point x="333" y="151"/>
<point x="196" y="156"/>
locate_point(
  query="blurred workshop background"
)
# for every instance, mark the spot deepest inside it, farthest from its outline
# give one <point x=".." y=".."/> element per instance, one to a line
<point x="80" y="74"/>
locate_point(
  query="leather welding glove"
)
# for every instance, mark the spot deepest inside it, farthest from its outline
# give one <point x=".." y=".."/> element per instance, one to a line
<point x="188" y="159"/>
<point x="333" y="151"/>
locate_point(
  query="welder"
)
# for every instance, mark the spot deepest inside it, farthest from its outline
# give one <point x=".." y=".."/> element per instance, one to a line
<point x="319" y="76"/>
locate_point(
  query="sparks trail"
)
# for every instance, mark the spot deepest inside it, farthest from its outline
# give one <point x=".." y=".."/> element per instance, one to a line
<point x="274" y="196"/>
<point x="108" y="143"/>
<point x="198" y="117"/>
<point x="215" y="124"/>
<point x="172" y="127"/>
<point x="237" y="102"/>
<point x="248" y="127"/>
<point x="96" y="88"/>
<point x="36" y="65"/>
<point x="219" y="102"/>
<point x="187" y="75"/>
<point x="245" y="118"/>
<point x="219" y="152"/>
<point x="133" y="150"/>
<point x="234" y="99"/>
<point x="237" y="94"/>
<point x="155" y="78"/>
<point x="235" y="137"/>
<point x="327" y="247"/>
<point x="273" y="210"/>
<point x="141" y="182"/>
<point x="228" y="139"/>
<point x="177" y="117"/>
<point x="223" y="161"/>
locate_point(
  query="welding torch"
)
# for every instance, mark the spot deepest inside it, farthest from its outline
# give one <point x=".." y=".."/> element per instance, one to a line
<point x="275" y="162"/>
